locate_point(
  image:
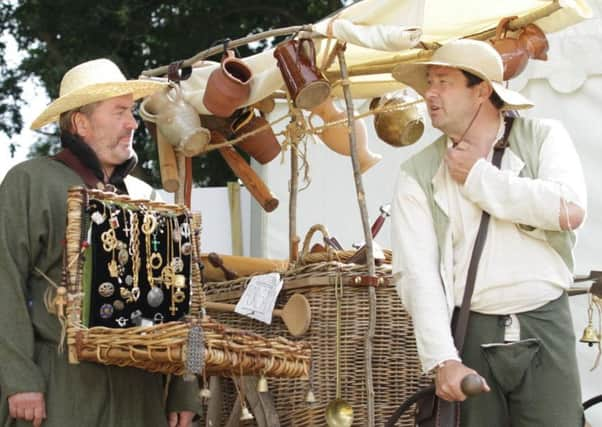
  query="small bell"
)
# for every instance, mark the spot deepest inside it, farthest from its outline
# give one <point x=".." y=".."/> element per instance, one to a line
<point x="590" y="336"/>
<point x="310" y="397"/>
<point x="262" y="384"/>
<point x="205" y="393"/>
<point x="245" y="414"/>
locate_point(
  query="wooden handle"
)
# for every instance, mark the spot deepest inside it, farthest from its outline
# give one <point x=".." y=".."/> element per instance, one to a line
<point x="167" y="160"/>
<point x="220" y="306"/>
<point x="472" y="384"/>
<point x="242" y="265"/>
<point x="247" y="175"/>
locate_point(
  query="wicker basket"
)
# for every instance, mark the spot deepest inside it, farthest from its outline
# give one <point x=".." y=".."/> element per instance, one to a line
<point x="396" y="370"/>
<point x="192" y="345"/>
<point x="329" y="254"/>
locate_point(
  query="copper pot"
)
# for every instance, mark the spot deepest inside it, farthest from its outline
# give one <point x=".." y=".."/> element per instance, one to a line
<point x="514" y="54"/>
<point x="228" y="86"/>
<point x="400" y="127"/>
<point x="535" y="42"/>
<point x="304" y="81"/>
<point x="263" y="145"/>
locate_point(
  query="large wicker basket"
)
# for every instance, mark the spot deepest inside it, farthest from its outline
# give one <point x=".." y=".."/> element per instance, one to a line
<point x="193" y="344"/>
<point x="396" y="371"/>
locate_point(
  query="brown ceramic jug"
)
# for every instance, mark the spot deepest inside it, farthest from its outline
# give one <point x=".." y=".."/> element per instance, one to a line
<point x="534" y="41"/>
<point x="263" y="145"/>
<point x="399" y="127"/>
<point x="305" y="83"/>
<point x="514" y="54"/>
<point x="228" y="86"/>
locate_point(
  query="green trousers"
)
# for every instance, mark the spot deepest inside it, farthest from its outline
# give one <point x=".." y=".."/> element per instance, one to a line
<point x="534" y="382"/>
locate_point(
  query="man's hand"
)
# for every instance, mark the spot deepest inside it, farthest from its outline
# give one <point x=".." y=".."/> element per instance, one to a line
<point x="180" y="419"/>
<point x="460" y="160"/>
<point x="448" y="380"/>
<point x="28" y="407"/>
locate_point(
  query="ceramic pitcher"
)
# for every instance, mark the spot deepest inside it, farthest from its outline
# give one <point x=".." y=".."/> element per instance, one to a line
<point x="514" y="55"/>
<point x="534" y="40"/>
<point x="177" y="120"/>
<point x="228" y="86"/>
<point x="337" y="137"/>
<point x="304" y="81"/>
<point x="262" y="145"/>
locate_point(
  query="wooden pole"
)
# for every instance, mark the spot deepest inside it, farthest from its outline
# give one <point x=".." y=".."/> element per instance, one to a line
<point x="160" y="71"/>
<point x="361" y="198"/>
<point x="292" y="204"/>
<point x="180" y="193"/>
<point x="235" y="217"/>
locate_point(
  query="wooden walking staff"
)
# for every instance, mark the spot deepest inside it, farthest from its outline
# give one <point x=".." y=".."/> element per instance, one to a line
<point x="292" y="205"/>
<point x="361" y="198"/>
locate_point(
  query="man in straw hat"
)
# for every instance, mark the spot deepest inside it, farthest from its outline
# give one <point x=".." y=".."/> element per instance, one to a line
<point x="519" y="336"/>
<point x="37" y="384"/>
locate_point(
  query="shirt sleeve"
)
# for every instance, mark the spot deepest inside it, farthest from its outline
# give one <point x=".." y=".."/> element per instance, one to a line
<point x="531" y="201"/>
<point x="18" y="247"/>
<point x="416" y="271"/>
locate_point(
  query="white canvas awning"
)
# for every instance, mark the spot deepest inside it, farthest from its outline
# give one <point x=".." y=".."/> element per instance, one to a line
<point x="394" y="25"/>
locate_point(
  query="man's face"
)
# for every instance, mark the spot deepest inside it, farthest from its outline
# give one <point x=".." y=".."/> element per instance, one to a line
<point x="451" y="104"/>
<point x="109" y="129"/>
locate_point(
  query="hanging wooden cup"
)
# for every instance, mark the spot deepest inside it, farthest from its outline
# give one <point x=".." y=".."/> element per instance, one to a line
<point x="228" y="86"/>
<point x="514" y="54"/>
<point x="304" y="81"/>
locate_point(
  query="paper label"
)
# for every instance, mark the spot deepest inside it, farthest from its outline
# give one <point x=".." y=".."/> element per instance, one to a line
<point x="259" y="297"/>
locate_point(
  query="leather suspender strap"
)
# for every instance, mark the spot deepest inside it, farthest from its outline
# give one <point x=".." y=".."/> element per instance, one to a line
<point x="73" y="162"/>
<point x="462" y="320"/>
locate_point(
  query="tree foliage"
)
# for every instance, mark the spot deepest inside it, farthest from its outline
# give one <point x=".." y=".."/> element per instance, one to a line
<point x="54" y="35"/>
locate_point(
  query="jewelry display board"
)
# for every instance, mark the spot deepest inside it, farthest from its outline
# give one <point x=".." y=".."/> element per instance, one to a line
<point x="138" y="265"/>
<point x="131" y="295"/>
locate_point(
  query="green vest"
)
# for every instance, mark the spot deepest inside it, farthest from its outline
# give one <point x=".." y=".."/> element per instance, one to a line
<point x="525" y="139"/>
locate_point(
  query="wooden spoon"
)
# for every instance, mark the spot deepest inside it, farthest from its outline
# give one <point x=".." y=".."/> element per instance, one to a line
<point x="296" y="313"/>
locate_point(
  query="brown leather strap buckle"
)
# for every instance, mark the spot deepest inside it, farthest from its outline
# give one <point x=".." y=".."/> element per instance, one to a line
<point x="177" y="73"/>
<point x="365" y="280"/>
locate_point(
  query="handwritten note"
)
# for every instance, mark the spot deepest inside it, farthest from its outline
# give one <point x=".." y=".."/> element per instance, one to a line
<point x="259" y="298"/>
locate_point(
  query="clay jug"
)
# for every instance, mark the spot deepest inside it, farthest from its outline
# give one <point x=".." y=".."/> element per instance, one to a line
<point x="304" y="81"/>
<point x="177" y="120"/>
<point x="228" y="86"/>
<point x="400" y="126"/>
<point x="534" y="40"/>
<point x="513" y="53"/>
<point x="337" y="137"/>
<point x="263" y="145"/>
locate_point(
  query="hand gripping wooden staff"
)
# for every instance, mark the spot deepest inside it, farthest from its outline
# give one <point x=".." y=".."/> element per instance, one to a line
<point x="296" y="313"/>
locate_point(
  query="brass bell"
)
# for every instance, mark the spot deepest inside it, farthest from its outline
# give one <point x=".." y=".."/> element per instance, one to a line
<point x="590" y="336"/>
<point x="245" y="414"/>
<point x="262" y="385"/>
<point x="205" y="393"/>
<point x="310" y="397"/>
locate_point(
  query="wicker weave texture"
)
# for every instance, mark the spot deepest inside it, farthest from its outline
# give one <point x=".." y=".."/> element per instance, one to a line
<point x="396" y="368"/>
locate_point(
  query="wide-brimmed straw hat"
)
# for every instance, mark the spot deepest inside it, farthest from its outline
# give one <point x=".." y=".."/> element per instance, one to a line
<point x="90" y="82"/>
<point x="473" y="56"/>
